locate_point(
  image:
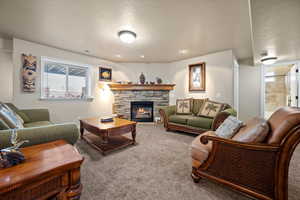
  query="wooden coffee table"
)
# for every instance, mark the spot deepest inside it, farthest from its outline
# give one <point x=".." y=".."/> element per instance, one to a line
<point x="50" y="170"/>
<point x="107" y="136"/>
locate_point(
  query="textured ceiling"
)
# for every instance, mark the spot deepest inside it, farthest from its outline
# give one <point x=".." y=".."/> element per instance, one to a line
<point x="163" y="26"/>
<point x="276" y="28"/>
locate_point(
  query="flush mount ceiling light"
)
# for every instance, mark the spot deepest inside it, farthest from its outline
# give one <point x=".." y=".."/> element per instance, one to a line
<point x="267" y="60"/>
<point x="127" y="36"/>
<point x="142" y="56"/>
<point x="183" y="51"/>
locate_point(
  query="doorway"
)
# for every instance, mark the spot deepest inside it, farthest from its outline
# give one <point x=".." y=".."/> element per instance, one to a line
<point x="281" y="87"/>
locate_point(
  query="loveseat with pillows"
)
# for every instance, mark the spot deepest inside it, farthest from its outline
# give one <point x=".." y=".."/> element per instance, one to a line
<point x="33" y="125"/>
<point x="195" y="115"/>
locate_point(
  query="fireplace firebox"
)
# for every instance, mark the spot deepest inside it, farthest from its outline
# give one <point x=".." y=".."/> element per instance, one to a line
<point x="141" y="111"/>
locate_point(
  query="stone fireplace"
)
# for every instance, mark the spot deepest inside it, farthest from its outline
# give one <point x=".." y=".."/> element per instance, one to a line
<point x="128" y="96"/>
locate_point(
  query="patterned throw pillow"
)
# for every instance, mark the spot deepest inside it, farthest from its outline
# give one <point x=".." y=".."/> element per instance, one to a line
<point x="183" y="106"/>
<point x="10" y="117"/>
<point x="197" y="104"/>
<point x="3" y="125"/>
<point x="21" y="114"/>
<point x="229" y="127"/>
<point x="210" y="109"/>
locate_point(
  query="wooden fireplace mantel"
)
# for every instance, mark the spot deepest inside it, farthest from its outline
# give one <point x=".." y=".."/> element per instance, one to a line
<point x="118" y="86"/>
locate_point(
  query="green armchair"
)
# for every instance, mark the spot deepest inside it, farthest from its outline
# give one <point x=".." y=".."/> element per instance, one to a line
<point x="39" y="129"/>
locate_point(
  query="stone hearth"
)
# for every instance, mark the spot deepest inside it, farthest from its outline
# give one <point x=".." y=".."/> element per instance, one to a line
<point x="124" y="97"/>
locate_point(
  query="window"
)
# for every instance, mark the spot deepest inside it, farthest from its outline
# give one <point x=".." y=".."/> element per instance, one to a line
<point x="64" y="80"/>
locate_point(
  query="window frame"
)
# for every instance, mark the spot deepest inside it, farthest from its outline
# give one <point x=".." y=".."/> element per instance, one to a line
<point x="88" y="96"/>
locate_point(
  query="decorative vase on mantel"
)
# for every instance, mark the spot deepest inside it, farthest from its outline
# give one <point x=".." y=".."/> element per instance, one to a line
<point x="142" y="78"/>
<point x="158" y="80"/>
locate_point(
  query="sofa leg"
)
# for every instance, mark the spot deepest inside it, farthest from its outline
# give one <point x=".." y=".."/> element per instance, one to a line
<point x="167" y="129"/>
<point x="195" y="178"/>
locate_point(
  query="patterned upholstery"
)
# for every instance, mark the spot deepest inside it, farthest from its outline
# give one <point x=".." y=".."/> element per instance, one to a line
<point x="10" y="117"/>
<point x="183" y="106"/>
<point x="3" y="125"/>
<point x="210" y="109"/>
<point x="197" y="104"/>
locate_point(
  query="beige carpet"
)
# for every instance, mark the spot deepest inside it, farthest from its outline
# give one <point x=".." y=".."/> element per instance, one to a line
<point x="158" y="168"/>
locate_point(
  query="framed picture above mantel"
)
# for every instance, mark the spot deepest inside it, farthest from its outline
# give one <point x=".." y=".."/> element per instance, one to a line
<point x="105" y="74"/>
<point x="197" y="77"/>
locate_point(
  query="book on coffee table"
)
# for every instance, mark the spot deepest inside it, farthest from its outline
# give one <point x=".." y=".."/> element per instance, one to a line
<point x="107" y="119"/>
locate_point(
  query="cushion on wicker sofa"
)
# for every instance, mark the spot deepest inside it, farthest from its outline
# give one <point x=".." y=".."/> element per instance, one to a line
<point x="256" y="130"/>
<point x="229" y="127"/>
<point x="201" y="151"/>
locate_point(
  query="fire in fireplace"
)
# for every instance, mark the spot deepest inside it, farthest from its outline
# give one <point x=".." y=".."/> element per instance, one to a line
<point x="141" y="111"/>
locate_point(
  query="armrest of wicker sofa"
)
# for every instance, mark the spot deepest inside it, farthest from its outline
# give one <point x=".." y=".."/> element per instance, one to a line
<point x="37" y="135"/>
<point x="35" y="115"/>
<point x="242" y="145"/>
<point x="221" y="116"/>
<point x="165" y="112"/>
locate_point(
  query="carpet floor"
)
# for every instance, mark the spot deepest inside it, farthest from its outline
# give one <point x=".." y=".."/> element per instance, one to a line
<point x="157" y="168"/>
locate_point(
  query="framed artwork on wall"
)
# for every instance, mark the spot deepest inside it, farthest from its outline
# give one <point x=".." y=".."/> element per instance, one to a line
<point x="197" y="77"/>
<point x="105" y="74"/>
<point x="29" y="70"/>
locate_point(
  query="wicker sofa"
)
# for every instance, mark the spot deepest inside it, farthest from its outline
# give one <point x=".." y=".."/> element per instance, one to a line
<point x="39" y="129"/>
<point x="191" y="123"/>
<point x="256" y="160"/>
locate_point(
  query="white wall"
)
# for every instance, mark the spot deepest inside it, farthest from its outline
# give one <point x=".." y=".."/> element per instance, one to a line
<point x="60" y="111"/>
<point x="219" y="80"/>
<point x="219" y="77"/>
<point x="6" y="45"/>
<point x="6" y="70"/>
<point x="132" y="72"/>
<point x="249" y="97"/>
